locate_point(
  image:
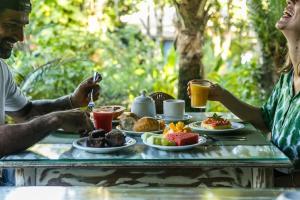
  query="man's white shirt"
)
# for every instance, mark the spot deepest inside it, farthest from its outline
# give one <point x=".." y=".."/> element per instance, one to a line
<point x="11" y="97"/>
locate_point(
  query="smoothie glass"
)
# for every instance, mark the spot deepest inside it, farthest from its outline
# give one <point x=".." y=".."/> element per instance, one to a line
<point x="199" y="93"/>
<point x="103" y="119"/>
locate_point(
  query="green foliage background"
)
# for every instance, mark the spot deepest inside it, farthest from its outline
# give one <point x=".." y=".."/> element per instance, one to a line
<point x="61" y="51"/>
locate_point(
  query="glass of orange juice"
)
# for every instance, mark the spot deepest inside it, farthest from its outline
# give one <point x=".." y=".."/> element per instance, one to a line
<point x="199" y="93"/>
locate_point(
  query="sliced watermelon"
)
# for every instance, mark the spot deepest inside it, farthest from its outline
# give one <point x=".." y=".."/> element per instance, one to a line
<point x="182" y="139"/>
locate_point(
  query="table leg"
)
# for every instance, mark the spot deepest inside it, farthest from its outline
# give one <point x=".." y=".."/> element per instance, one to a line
<point x="262" y="178"/>
<point x="25" y="176"/>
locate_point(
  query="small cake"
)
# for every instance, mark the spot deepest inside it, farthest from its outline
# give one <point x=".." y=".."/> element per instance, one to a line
<point x="146" y="124"/>
<point x="115" y="138"/>
<point x="182" y="139"/>
<point x="96" y="139"/>
<point x="216" y="122"/>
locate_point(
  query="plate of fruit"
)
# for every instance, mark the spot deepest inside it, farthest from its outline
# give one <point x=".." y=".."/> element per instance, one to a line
<point x="130" y="124"/>
<point x="176" y="137"/>
<point x="216" y="124"/>
<point x="100" y="142"/>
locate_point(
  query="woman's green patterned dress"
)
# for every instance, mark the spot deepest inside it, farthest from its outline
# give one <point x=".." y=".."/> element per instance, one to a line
<point x="282" y="116"/>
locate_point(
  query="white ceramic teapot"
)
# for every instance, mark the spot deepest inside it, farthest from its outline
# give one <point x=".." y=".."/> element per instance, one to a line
<point x="143" y="106"/>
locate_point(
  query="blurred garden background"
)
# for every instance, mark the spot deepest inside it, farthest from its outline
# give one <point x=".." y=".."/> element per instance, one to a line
<point x="147" y="44"/>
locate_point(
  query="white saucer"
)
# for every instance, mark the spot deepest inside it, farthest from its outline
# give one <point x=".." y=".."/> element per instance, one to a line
<point x="185" y="118"/>
<point x="81" y="144"/>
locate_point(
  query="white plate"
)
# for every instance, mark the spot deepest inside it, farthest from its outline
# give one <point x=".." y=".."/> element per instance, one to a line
<point x="196" y="126"/>
<point x="134" y="133"/>
<point x="116" y="121"/>
<point x="289" y="195"/>
<point x="81" y="144"/>
<point x="201" y="141"/>
<point x="185" y="118"/>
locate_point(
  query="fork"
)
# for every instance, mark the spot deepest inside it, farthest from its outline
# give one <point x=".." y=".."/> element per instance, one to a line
<point x="91" y="104"/>
<point x="225" y="138"/>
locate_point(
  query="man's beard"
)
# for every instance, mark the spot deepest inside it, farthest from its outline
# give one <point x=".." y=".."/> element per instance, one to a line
<point x="6" y="46"/>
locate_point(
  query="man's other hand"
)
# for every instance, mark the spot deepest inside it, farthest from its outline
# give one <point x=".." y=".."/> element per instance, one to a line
<point x="74" y="120"/>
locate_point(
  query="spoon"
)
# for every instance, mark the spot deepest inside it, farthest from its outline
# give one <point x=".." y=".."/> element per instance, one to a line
<point x="91" y="104"/>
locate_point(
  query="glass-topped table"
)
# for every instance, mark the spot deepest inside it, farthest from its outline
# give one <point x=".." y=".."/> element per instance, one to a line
<point x="64" y="155"/>
<point x="253" y="160"/>
<point x="95" y="193"/>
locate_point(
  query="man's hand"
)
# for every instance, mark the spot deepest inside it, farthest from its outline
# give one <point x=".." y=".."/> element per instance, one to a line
<point x="17" y="137"/>
<point x="81" y="95"/>
<point x="74" y="120"/>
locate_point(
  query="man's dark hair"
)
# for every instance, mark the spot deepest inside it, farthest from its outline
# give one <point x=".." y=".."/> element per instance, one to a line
<point x="18" y="5"/>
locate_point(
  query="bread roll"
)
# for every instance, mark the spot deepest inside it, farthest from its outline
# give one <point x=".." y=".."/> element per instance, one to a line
<point x="127" y="121"/>
<point x="146" y="124"/>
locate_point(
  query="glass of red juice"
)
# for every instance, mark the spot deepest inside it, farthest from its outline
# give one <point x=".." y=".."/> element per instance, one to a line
<point x="103" y="119"/>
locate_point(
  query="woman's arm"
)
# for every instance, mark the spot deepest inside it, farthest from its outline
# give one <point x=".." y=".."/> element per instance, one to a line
<point x="241" y="109"/>
<point x="244" y="111"/>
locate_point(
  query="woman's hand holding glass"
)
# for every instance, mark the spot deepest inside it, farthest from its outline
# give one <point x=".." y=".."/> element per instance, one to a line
<point x="215" y="91"/>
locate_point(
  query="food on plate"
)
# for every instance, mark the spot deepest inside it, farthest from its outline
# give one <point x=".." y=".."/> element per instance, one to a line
<point x="216" y="122"/>
<point x="100" y="139"/>
<point x="117" y="110"/>
<point x="171" y="139"/>
<point x="96" y="139"/>
<point x="160" y="140"/>
<point x="179" y="127"/>
<point x="127" y="120"/>
<point x="154" y="139"/>
<point x="182" y="139"/>
<point x="130" y="122"/>
<point x="115" y="138"/>
<point x="174" y="135"/>
<point x="147" y="124"/>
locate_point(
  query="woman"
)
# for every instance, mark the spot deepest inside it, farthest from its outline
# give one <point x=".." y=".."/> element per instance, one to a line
<point x="281" y="113"/>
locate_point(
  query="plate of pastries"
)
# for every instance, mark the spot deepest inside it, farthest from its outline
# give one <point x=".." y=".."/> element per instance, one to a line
<point x="98" y="141"/>
<point x="131" y="124"/>
<point x="216" y="124"/>
<point x="175" y="137"/>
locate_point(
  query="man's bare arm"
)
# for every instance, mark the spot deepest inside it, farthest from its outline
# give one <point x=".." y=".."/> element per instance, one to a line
<point x="41" y="107"/>
<point x="15" y="138"/>
<point x="80" y="97"/>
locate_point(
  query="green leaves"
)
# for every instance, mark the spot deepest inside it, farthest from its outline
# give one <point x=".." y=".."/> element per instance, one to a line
<point x="61" y="51"/>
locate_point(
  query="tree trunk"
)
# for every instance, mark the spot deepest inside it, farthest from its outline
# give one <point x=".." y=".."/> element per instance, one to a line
<point x="192" y="19"/>
<point x="190" y="65"/>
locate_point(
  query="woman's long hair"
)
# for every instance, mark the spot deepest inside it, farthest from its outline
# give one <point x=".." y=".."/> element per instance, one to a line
<point x="287" y="65"/>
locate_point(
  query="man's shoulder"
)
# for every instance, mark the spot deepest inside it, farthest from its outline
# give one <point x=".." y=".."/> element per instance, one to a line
<point x="2" y="63"/>
<point x="4" y="71"/>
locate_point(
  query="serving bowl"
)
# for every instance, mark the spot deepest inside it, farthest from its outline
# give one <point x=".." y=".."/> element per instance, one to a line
<point x="116" y="109"/>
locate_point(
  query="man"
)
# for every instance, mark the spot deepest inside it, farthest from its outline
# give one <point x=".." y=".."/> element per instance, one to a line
<point x="37" y="118"/>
